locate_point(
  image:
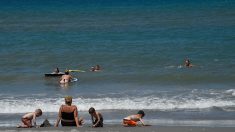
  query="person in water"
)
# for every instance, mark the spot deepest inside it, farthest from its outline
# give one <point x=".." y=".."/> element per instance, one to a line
<point x="68" y="114"/>
<point x="95" y="68"/>
<point x="66" y="78"/>
<point x="133" y="120"/>
<point x="187" y="63"/>
<point x="56" y="71"/>
<point x="28" y="118"/>
<point x="96" y="118"/>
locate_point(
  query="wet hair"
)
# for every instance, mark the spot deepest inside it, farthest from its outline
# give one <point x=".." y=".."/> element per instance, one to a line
<point x="141" y="112"/>
<point x="66" y="72"/>
<point x="97" y="67"/>
<point x="68" y="100"/>
<point x="187" y="62"/>
<point x="39" y="111"/>
<point x="91" y="110"/>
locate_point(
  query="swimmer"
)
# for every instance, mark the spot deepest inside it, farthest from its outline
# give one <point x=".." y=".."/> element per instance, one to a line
<point x="187" y="63"/>
<point x="66" y="78"/>
<point x="95" y="68"/>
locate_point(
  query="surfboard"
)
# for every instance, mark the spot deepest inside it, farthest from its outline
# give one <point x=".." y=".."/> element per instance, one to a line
<point x="76" y="71"/>
<point x="53" y="74"/>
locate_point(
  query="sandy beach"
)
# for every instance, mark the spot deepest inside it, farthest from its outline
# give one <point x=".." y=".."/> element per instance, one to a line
<point x="118" y="128"/>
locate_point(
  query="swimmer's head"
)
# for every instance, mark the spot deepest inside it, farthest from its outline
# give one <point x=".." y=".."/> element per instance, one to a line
<point x="66" y="72"/>
<point x="92" y="68"/>
<point x="187" y="62"/>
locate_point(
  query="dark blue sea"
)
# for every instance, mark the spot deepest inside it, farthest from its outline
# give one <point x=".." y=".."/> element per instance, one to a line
<point x="140" y="45"/>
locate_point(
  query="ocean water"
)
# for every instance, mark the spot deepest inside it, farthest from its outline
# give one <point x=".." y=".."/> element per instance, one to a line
<point x="140" y="46"/>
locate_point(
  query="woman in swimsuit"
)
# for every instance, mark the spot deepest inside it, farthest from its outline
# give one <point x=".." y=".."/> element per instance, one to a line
<point x="68" y="114"/>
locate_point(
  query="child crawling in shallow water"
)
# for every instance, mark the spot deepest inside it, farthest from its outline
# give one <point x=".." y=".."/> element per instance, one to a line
<point x="133" y="120"/>
<point x="28" y="118"/>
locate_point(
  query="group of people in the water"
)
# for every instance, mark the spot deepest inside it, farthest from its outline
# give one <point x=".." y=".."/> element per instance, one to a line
<point x="68" y="116"/>
<point x="66" y="77"/>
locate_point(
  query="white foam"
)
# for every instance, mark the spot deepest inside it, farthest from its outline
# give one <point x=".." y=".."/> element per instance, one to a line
<point x="230" y="91"/>
<point x="151" y="103"/>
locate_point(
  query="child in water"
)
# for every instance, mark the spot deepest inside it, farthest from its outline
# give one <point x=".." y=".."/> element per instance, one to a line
<point x="28" y="118"/>
<point x="98" y="121"/>
<point x="133" y="120"/>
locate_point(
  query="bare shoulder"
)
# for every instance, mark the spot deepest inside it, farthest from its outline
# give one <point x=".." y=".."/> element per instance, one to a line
<point x="74" y="106"/>
<point x="29" y="115"/>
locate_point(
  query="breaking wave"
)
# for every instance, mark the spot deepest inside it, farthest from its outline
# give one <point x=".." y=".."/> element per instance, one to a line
<point x="13" y="105"/>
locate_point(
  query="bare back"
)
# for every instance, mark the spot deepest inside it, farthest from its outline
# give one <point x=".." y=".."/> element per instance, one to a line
<point x="66" y="78"/>
<point x="132" y="117"/>
<point x="29" y="115"/>
<point x="69" y="109"/>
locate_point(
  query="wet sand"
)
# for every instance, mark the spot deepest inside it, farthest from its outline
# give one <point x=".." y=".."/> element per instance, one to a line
<point x="118" y="128"/>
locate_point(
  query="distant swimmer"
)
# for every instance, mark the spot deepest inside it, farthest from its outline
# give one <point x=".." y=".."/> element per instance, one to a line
<point x="66" y="78"/>
<point x="133" y="120"/>
<point x="56" y="71"/>
<point x="187" y="63"/>
<point x="95" y="68"/>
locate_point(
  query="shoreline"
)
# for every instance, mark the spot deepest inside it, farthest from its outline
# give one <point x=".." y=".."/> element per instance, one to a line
<point x="119" y="128"/>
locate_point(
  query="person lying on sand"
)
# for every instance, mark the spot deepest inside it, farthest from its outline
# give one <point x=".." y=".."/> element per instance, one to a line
<point x="98" y="121"/>
<point x="66" y="78"/>
<point x="68" y="114"/>
<point x="28" y="118"/>
<point x="133" y="120"/>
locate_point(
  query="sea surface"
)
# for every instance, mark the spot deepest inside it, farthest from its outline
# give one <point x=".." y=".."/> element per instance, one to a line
<point x="140" y="45"/>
